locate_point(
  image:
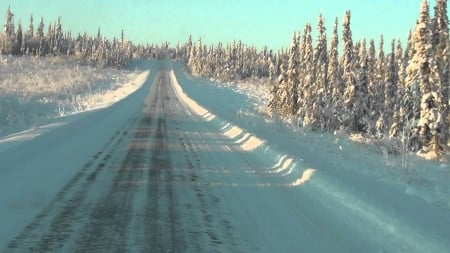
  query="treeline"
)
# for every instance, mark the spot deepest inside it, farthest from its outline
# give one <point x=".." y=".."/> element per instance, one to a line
<point x="399" y="95"/>
<point x="234" y="61"/>
<point x="52" y="40"/>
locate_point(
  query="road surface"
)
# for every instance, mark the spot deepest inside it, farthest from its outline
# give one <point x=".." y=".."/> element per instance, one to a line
<point x="169" y="180"/>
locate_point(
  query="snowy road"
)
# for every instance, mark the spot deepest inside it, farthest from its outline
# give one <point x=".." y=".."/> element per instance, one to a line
<point x="158" y="173"/>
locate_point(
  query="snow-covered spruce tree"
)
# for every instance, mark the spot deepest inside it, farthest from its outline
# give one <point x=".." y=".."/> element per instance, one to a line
<point x="361" y="107"/>
<point x="441" y="46"/>
<point x="334" y="82"/>
<point x="40" y="29"/>
<point x="306" y="89"/>
<point x="293" y="78"/>
<point x="57" y="37"/>
<point x="188" y="47"/>
<point x="272" y="70"/>
<point x="219" y="58"/>
<point x="372" y="88"/>
<point x="390" y="92"/>
<point x="422" y="80"/>
<point x="18" y="47"/>
<point x="349" y="116"/>
<point x="283" y="97"/>
<point x="30" y="44"/>
<point x="321" y="113"/>
<point x="397" y="124"/>
<point x="379" y="117"/>
<point x="40" y="38"/>
<point x="273" y="98"/>
<point x="8" y="37"/>
<point x="193" y="59"/>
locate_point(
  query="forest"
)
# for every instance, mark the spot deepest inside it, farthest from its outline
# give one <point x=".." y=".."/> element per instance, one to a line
<point x="400" y="96"/>
<point x="96" y="50"/>
<point x="355" y="87"/>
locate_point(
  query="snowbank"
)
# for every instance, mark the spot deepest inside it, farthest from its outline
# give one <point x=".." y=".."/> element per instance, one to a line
<point x="116" y="93"/>
<point x="328" y="153"/>
<point x="248" y="142"/>
<point x="393" y="199"/>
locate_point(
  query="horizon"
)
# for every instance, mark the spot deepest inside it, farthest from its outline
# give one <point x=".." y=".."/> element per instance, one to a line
<point x="219" y="20"/>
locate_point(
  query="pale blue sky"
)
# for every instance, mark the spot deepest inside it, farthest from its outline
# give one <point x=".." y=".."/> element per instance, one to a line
<point x="256" y="22"/>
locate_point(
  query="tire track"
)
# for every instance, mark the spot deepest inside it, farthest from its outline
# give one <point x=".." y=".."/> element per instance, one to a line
<point x="108" y="229"/>
<point x="53" y="226"/>
<point x="217" y="230"/>
<point x="161" y="215"/>
<point x="124" y="214"/>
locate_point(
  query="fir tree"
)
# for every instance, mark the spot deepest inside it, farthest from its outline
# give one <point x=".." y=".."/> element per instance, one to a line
<point x="273" y="102"/>
<point x="372" y="87"/>
<point x="8" y="28"/>
<point x="441" y="52"/>
<point x="40" y="30"/>
<point x="349" y="115"/>
<point x="306" y="79"/>
<point x="335" y="81"/>
<point x="391" y="81"/>
<point x="320" y="113"/>
<point x="397" y="118"/>
<point x="18" y="48"/>
<point x="8" y="37"/>
<point x="293" y="77"/>
<point x="283" y="92"/>
<point x="30" y="30"/>
<point x="421" y="81"/>
<point x="361" y="108"/>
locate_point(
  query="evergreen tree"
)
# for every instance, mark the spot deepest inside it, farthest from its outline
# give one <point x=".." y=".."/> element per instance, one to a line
<point x="391" y="81"/>
<point x="273" y="102"/>
<point x="372" y="87"/>
<point x="335" y="81"/>
<point x="283" y="93"/>
<point x="320" y="113"/>
<point x="306" y="79"/>
<point x="30" y="30"/>
<point x="349" y="115"/>
<point x="7" y="39"/>
<point x="421" y="79"/>
<point x="8" y="28"/>
<point x="293" y="77"/>
<point x="40" y="30"/>
<point x="379" y="96"/>
<point x="397" y="118"/>
<point x="441" y="51"/>
<point x="361" y="107"/>
<point x="18" y="47"/>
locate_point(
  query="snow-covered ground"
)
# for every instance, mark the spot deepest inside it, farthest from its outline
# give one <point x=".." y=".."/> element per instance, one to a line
<point x="243" y="103"/>
<point x="226" y="179"/>
<point x="36" y="90"/>
<point x="36" y="163"/>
